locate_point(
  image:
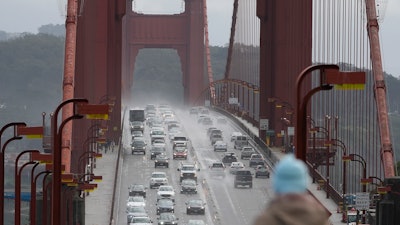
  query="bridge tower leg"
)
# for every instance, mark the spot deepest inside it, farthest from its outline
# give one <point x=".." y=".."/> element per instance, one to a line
<point x="279" y="47"/>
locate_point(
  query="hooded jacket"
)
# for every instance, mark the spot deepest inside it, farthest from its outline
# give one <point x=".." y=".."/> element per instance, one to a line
<point x="293" y="209"/>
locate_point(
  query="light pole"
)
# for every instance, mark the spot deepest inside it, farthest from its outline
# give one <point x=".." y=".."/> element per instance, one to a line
<point x="17" y="204"/>
<point x="364" y="179"/>
<point x="328" y="75"/>
<point x="80" y="108"/>
<point x="57" y="138"/>
<point x="288" y="110"/>
<point x="32" y="207"/>
<point x="3" y="148"/>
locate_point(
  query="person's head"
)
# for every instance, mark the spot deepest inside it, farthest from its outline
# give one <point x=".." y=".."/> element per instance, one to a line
<point x="290" y="176"/>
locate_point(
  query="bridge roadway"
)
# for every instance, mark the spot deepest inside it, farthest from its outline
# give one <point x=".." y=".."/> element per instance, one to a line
<point x="225" y="204"/>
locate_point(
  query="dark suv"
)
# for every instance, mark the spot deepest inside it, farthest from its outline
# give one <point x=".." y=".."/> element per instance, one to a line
<point x="229" y="157"/>
<point x="243" y="178"/>
<point x="137" y="189"/>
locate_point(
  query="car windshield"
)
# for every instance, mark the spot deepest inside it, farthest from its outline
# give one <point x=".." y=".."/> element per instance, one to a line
<point x="256" y="156"/>
<point x="196" y="202"/>
<point x="138" y="143"/>
<point x="217" y="165"/>
<point x="188" y="168"/>
<point x="140" y="220"/>
<point x="136" y="210"/>
<point x="157" y="149"/>
<point x="165" y="188"/>
<point x="138" y="188"/>
<point x="189" y="182"/>
<point x="165" y="203"/>
<point x="167" y="216"/>
<point x="158" y="175"/>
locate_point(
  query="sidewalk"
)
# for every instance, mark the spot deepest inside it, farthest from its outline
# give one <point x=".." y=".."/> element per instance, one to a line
<point x="329" y="204"/>
<point x="98" y="203"/>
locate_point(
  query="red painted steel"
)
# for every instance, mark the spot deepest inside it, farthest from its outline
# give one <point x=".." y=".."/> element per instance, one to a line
<point x="183" y="32"/>
<point x="98" y="64"/>
<point x="380" y="91"/>
<point x="284" y="53"/>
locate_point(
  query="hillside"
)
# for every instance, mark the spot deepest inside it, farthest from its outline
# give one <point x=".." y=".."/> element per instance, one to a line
<point x="31" y="68"/>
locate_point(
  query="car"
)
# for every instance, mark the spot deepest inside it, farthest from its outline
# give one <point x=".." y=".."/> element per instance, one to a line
<point x="138" y="146"/>
<point x="235" y="166"/>
<point x="195" y="206"/>
<point x="180" y="152"/>
<point x="140" y="220"/>
<point x="136" y="133"/>
<point x="136" y="211"/>
<point x="261" y="171"/>
<point x="137" y="189"/>
<point x="216" y="137"/>
<point x="234" y="135"/>
<point x="188" y="170"/>
<point x="157" y="149"/>
<point x="256" y="159"/>
<point x="240" y="141"/>
<point x="161" y="160"/>
<point x="221" y="120"/>
<point x="243" y="178"/>
<point x="196" y="222"/>
<point x="159" y="141"/>
<point x="229" y="157"/>
<point x="136" y="125"/>
<point x="166" y="192"/>
<point x="134" y="201"/>
<point x="188" y="186"/>
<point x="194" y="111"/>
<point x="217" y="170"/>
<point x="246" y="152"/>
<point x="167" y="219"/>
<point x="214" y="131"/>
<point x="157" y="133"/>
<point x="157" y="179"/>
<point x="207" y="121"/>
<point x="220" y="146"/>
<point x="165" y="205"/>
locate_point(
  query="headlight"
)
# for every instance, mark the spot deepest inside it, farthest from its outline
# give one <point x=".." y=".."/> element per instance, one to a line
<point x="161" y="222"/>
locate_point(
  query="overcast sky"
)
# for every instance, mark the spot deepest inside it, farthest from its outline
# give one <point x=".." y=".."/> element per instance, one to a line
<point x="29" y="15"/>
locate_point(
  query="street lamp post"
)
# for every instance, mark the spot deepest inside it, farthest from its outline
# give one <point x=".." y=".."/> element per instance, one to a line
<point x="32" y="208"/>
<point x="301" y="105"/>
<point x="328" y="75"/>
<point x="80" y="108"/>
<point x="57" y="138"/>
<point x="3" y="148"/>
<point x="17" y="204"/>
<point x="288" y="110"/>
<point x="364" y="179"/>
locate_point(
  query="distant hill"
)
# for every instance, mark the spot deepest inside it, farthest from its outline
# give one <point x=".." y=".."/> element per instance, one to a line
<point x="31" y="71"/>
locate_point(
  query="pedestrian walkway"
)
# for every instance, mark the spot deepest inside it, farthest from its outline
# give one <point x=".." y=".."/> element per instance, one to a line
<point x="329" y="204"/>
<point x="98" y="204"/>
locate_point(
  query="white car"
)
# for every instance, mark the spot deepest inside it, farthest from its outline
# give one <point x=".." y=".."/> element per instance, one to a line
<point x="166" y="191"/>
<point x="134" y="201"/>
<point x="235" y="166"/>
<point x="157" y="179"/>
<point x="234" y="135"/>
<point x="220" y="146"/>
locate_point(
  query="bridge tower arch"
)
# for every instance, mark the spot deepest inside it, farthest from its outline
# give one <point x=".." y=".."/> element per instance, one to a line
<point x="183" y="32"/>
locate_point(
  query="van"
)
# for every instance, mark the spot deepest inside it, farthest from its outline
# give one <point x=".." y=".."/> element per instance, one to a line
<point x="241" y="141"/>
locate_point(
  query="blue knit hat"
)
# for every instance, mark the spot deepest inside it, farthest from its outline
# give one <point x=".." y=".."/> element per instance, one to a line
<point x="291" y="176"/>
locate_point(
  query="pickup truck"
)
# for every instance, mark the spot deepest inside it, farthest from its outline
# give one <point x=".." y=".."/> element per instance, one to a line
<point x="243" y="178"/>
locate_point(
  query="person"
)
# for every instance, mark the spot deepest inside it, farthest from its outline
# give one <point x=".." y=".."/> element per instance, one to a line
<point x="293" y="205"/>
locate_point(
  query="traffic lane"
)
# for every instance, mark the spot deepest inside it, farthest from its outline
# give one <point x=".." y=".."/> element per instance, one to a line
<point x="138" y="169"/>
<point x="234" y="206"/>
